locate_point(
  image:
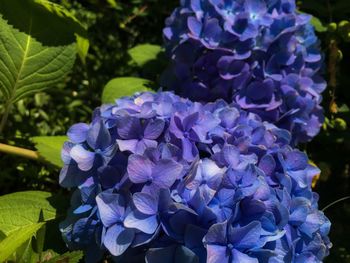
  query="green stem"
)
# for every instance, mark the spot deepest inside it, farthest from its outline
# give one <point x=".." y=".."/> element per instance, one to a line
<point x="5" y="116"/>
<point x="29" y="154"/>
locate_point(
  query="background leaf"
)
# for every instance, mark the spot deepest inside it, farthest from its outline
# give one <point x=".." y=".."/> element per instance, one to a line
<point x="23" y="209"/>
<point x="144" y="53"/>
<point x="69" y="257"/>
<point x="319" y="27"/>
<point x="14" y="240"/>
<point x="49" y="147"/>
<point x="127" y="86"/>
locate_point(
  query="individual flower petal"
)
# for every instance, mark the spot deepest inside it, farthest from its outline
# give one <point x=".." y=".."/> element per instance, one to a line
<point x="139" y="169"/>
<point x="84" y="158"/>
<point x="118" y="239"/>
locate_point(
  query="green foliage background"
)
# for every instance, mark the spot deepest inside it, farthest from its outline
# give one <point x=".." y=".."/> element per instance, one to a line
<point x="114" y="27"/>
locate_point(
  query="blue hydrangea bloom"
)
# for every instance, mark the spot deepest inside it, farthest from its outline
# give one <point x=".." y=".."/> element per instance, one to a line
<point x="261" y="54"/>
<point x="157" y="175"/>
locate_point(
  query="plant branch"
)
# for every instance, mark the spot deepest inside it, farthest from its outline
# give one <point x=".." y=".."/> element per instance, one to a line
<point x="29" y="154"/>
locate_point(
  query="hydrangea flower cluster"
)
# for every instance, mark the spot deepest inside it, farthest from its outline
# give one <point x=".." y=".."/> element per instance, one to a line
<point x="262" y="54"/>
<point x="162" y="177"/>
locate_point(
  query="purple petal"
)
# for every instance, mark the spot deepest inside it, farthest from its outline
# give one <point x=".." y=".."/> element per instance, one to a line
<point x="84" y="158"/>
<point x="267" y="164"/>
<point x="166" y="172"/>
<point x="154" y="129"/>
<point x="139" y="169"/>
<point x="129" y="128"/>
<point x="146" y="203"/>
<point x="98" y="136"/>
<point x="217" y="234"/>
<point x="238" y="256"/>
<point x="127" y="145"/>
<point x="111" y="207"/>
<point x="194" y="26"/>
<point x="78" y="132"/>
<point x="247" y="236"/>
<point x="145" y="223"/>
<point x="118" y="239"/>
<point x="217" y="254"/>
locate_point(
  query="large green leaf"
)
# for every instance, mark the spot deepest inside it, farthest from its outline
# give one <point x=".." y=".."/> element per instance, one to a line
<point x="21" y="209"/>
<point x="48" y="23"/>
<point x="49" y="148"/>
<point x="127" y="86"/>
<point x="26" y="66"/>
<point x="14" y="240"/>
<point x="145" y="53"/>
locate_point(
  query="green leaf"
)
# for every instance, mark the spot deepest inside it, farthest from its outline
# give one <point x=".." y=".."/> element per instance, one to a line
<point x="49" y="148"/>
<point x="22" y="209"/>
<point x="319" y="27"/>
<point x="83" y="45"/>
<point x="47" y="22"/>
<point x="69" y="257"/>
<point x="14" y="240"/>
<point x="27" y="66"/>
<point x="142" y="54"/>
<point x="126" y="86"/>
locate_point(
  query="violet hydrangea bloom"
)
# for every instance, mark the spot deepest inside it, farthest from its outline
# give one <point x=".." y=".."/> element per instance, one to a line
<point x="261" y="54"/>
<point x="170" y="180"/>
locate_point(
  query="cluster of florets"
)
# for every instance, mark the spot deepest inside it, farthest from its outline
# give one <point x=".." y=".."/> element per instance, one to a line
<point x="261" y="54"/>
<point x="158" y="175"/>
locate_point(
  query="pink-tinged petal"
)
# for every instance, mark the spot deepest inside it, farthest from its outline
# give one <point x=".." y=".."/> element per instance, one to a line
<point x="145" y="203"/>
<point x="117" y="239"/>
<point x="154" y="129"/>
<point x="65" y="152"/>
<point x="217" y="254"/>
<point x="127" y="145"/>
<point x="78" y="132"/>
<point x="145" y="223"/>
<point x="267" y="164"/>
<point x="139" y="169"/>
<point x="166" y="172"/>
<point x="83" y="157"/>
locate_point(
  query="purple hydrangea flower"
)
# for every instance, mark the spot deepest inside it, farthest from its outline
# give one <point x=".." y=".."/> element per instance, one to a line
<point x="261" y="54"/>
<point x="157" y="174"/>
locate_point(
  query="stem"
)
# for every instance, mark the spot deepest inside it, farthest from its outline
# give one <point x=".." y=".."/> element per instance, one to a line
<point x="5" y="116"/>
<point x="29" y="154"/>
<point x="335" y="202"/>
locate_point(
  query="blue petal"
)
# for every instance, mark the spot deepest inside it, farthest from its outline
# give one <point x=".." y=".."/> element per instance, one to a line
<point x="247" y="236"/>
<point x="145" y="223"/>
<point x="217" y="254"/>
<point x="78" y="132"/>
<point x="139" y="169"/>
<point x="111" y="207"/>
<point x="146" y="203"/>
<point x="84" y="158"/>
<point x="118" y="239"/>
<point x="99" y="136"/>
